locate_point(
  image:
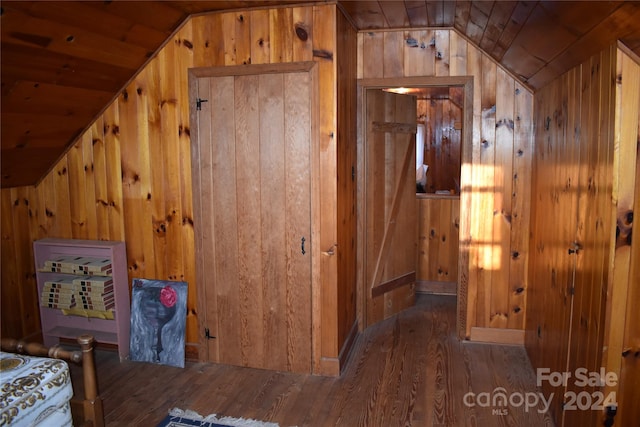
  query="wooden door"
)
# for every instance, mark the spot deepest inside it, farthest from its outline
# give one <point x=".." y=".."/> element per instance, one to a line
<point x="390" y="204"/>
<point x="253" y="174"/>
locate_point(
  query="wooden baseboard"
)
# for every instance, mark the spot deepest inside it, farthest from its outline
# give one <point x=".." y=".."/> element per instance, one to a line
<point x="328" y="367"/>
<point x="497" y="336"/>
<point x="437" y="288"/>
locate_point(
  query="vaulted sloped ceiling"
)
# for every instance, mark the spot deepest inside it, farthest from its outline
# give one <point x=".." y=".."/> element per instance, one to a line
<point x="63" y="62"/>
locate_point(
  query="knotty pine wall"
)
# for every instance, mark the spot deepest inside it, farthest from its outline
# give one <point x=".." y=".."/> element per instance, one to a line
<point x="495" y="250"/>
<point x="585" y="186"/>
<point x="438" y="243"/>
<point x="438" y="215"/>
<point x="442" y="119"/>
<point x="128" y="177"/>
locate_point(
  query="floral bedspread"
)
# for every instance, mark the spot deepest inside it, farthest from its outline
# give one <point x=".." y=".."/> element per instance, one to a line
<point x="35" y="391"/>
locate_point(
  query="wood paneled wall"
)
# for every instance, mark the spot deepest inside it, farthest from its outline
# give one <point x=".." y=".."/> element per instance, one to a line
<point x="438" y="244"/>
<point x="584" y="190"/>
<point x="129" y="176"/>
<point x="346" y="61"/>
<point x="442" y="119"/>
<point x="496" y="211"/>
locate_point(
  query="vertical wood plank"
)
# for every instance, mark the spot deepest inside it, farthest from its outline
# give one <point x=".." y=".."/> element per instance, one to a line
<point x="225" y="221"/>
<point x="360" y="55"/>
<point x="422" y="260"/>
<point x="250" y="260"/>
<point x="393" y="54"/>
<point x="186" y="269"/>
<point x="23" y="251"/>
<point x="169" y="115"/>
<point x="346" y="48"/>
<point x="372" y="46"/>
<point x="153" y="83"/>
<point x="242" y="37"/>
<point x="434" y="237"/>
<point x="62" y="203"/>
<point x="374" y="204"/>
<point x="26" y="264"/>
<point x="303" y="28"/>
<point x="100" y="179"/>
<point x="297" y="125"/>
<point x="521" y="205"/>
<point x="502" y="210"/>
<point x="324" y="22"/>
<point x="280" y="35"/>
<point x="457" y="54"/>
<point x="204" y="224"/>
<point x="474" y="68"/>
<point x="228" y="22"/>
<point x="454" y="236"/>
<point x="487" y="264"/>
<point x="260" y="42"/>
<point x="114" y="173"/>
<point x="77" y="193"/>
<point x="89" y="186"/>
<point x="272" y="165"/>
<point x="37" y="215"/>
<point x="444" y="259"/>
<point x="442" y="53"/>
<point x="142" y="182"/>
<point x="42" y="220"/>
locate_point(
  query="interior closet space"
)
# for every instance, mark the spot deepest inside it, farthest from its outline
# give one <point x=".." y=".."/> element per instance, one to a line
<point x="402" y="126"/>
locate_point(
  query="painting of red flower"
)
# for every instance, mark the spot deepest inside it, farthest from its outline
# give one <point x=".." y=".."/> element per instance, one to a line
<point x="158" y="321"/>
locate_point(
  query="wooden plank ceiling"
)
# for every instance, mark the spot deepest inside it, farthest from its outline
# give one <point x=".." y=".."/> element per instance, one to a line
<point x="63" y="62"/>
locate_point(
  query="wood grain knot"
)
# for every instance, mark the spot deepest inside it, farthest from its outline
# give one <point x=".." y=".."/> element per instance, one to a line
<point x="301" y="32"/>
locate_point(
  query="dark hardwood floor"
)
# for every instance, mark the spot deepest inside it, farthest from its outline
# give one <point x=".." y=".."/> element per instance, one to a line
<point x="410" y="370"/>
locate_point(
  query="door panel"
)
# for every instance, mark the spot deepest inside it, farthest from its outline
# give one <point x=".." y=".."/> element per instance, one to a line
<point x="257" y="131"/>
<point x="223" y="178"/>
<point x="390" y="204"/>
<point x="247" y="143"/>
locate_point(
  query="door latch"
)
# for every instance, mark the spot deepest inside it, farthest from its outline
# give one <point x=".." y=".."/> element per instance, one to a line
<point x="199" y="102"/>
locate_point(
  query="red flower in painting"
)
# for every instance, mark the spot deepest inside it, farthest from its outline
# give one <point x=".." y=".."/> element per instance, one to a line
<point x="168" y="296"/>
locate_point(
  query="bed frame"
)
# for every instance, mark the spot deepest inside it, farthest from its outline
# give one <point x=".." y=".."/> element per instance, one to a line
<point x="89" y="411"/>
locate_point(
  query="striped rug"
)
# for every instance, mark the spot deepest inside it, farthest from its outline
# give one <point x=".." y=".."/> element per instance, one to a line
<point x="187" y="418"/>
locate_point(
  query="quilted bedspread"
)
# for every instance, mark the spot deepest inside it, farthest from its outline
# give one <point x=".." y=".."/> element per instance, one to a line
<point x="35" y="391"/>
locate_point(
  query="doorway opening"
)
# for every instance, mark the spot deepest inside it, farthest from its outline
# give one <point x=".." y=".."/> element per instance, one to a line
<point x="440" y="126"/>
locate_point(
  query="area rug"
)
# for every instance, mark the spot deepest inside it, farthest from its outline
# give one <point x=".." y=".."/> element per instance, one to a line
<point x="181" y="418"/>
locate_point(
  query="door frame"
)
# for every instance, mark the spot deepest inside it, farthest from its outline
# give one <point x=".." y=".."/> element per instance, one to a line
<point x="466" y="82"/>
<point x="314" y="152"/>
